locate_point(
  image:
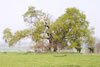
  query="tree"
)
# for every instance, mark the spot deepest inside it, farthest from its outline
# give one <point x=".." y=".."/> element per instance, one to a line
<point x="90" y="40"/>
<point x="71" y="27"/>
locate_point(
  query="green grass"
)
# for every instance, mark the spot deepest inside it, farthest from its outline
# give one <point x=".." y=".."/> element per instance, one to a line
<point x="49" y="60"/>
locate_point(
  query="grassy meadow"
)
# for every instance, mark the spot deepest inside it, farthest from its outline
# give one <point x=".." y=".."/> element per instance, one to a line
<point x="49" y="60"/>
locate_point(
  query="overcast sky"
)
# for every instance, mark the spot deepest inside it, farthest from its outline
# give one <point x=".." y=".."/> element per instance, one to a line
<point x="11" y="11"/>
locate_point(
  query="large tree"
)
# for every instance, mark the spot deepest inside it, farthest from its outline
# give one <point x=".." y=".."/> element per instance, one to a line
<point x="71" y="28"/>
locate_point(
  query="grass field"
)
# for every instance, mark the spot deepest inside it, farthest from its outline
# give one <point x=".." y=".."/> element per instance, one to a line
<point x="49" y="60"/>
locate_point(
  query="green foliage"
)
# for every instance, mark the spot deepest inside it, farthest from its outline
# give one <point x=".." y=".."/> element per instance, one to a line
<point x="7" y="35"/>
<point x="90" y="40"/>
<point x="32" y="15"/>
<point x="70" y="28"/>
<point x="18" y="36"/>
<point x="37" y="20"/>
<point x="38" y="31"/>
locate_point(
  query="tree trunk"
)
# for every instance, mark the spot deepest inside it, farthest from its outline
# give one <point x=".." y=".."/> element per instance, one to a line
<point x="55" y="49"/>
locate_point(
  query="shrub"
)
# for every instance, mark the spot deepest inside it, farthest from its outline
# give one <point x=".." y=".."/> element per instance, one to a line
<point x="78" y="49"/>
<point x="91" y="49"/>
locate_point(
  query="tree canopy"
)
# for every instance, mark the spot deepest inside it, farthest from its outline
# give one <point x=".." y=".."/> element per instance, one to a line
<point x="70" y="29"/>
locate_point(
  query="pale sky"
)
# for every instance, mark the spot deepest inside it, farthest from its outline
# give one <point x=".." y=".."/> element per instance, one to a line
<point x="11" y="12"/>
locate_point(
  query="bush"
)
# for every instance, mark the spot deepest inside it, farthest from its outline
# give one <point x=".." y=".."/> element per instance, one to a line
<point x="91" y="49"/>
<point x="78" y="49"/>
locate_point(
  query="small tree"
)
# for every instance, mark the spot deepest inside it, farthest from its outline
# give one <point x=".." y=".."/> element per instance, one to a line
<point x="90" y="40"/>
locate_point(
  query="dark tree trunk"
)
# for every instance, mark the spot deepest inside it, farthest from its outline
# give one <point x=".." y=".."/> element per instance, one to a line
<point x="78" y="49"/>
<point x="55" y="49"/>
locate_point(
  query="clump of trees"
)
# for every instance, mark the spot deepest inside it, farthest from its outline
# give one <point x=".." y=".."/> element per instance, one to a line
<point x="71" y="30"/>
